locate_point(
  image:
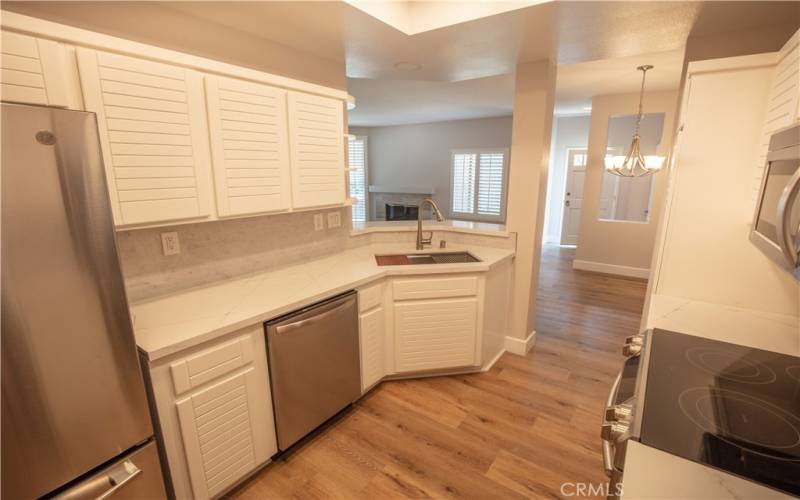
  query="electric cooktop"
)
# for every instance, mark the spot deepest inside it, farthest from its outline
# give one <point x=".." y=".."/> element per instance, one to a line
<point x="727" y="406"/>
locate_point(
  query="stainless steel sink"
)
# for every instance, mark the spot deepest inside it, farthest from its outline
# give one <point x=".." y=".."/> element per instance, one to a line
<point x="425" y="258"/>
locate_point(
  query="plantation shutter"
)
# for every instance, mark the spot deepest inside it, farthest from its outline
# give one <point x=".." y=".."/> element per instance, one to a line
<point x="479" y="185"/>
<point x="490" y="184"/>
<point x="357" y="162"/>
<point x="464" y="183"/>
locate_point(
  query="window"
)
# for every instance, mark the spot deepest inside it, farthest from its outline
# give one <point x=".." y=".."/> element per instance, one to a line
<point x="357" y="162"/>
<point x="478" y="189"/>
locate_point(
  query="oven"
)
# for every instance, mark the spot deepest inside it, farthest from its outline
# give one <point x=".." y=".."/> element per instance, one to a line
<point x="621" y="418"/>
<point x="777" y="217"/>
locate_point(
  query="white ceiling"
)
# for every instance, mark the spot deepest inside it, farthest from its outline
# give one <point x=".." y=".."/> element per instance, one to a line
<point x="395" y="102"/>
<point x="576" y="84"/>
<point x="488" y="38"/>
<point x="465" y="49"/>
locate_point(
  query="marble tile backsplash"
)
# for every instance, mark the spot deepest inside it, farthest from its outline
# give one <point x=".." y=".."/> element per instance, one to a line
<point x="218" y="250"/>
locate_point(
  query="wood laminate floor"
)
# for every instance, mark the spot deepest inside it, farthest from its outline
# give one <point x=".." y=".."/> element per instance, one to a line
<point x="522" y="429"/>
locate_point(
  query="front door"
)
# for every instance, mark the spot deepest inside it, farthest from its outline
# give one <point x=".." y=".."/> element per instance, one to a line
<point x="573" y="195"/>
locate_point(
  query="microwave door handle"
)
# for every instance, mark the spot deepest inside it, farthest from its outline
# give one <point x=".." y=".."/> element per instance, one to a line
<point x="785" y="204"/>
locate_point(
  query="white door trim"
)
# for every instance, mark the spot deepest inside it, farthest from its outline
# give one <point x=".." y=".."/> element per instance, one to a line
<point x="565" y="238"/>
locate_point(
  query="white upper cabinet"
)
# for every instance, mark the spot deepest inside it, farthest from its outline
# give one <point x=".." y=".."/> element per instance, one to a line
<point x="154" y="136"/>
<point x="316" y="145"/>
<point x="32" y="70"/>
<point x="249" y="145"/>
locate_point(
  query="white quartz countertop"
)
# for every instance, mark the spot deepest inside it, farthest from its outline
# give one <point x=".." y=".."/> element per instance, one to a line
<point x="748" y="327"/>
<point x="172" y="323"/>
<point x="453" y="226"/>
<point x="654" y="474"/>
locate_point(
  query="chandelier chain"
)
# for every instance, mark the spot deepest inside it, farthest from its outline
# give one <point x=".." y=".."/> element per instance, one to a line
<point x="643" y="69"/>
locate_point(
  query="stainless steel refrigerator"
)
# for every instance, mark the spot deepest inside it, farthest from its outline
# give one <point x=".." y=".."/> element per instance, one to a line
<point x="75" y="421"/>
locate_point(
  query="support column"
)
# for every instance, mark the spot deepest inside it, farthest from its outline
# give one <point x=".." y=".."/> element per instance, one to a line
<point x="534" y="98"/>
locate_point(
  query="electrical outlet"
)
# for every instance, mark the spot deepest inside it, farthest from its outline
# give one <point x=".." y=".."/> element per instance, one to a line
<point x="334" y="219"/>
<point x="170" y="243"/>
<point x="319" y="222"/>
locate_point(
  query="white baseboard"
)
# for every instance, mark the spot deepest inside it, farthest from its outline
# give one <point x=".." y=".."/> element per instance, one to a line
<point x="520" y="346"/>
<point x="600" y="267"/>
<point x="488" y="366"/>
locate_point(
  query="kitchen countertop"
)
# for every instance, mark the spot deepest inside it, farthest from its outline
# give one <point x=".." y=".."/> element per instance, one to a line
<point x="171" y="323"/>
<point x="453" y="226"/>
<point x="652" y="473"/>
<point x="748" y="327"/>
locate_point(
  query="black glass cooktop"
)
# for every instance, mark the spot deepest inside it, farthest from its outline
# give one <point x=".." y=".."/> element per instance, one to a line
<point x="724" y="405"/>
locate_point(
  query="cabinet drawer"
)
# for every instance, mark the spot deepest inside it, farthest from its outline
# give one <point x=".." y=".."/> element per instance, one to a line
<point x="370" y="297"/>
<point x="211" y="363"/>
<point x="435" y="288"/>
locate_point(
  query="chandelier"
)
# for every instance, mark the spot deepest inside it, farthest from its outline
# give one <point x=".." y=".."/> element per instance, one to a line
<point x="634" y="164"/>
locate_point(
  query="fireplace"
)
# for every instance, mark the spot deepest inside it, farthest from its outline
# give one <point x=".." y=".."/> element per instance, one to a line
<point x="401" y="212"/>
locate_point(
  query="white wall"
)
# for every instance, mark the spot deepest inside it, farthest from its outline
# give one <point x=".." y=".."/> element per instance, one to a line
<point x="610" y="246"/>
<point x="568" y="132"/>
<point x="706" y="254"/>
<point x="419" y="155"/>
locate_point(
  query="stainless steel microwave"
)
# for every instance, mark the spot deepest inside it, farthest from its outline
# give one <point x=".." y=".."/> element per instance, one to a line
<point x="776" y="223"/>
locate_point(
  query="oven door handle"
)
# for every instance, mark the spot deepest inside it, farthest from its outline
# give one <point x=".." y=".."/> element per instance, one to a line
<point x="785" y="204"/>
<point x="608" y="453"/>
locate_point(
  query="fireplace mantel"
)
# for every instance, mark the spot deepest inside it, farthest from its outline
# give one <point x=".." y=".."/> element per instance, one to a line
<point x="422" y="190"/>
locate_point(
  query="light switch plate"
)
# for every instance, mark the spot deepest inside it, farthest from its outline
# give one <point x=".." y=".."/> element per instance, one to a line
<point x="319" y="222"/>
<point x="170" y="243"/>
<point x="334" y="219"/>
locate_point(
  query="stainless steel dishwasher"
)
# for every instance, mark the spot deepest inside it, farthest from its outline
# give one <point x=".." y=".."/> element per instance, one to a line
<point x="314" y="365"/>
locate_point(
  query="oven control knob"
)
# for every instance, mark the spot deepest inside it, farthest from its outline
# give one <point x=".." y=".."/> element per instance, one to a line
<point x="635" y="339"/>
<point x="619" y="413"/>
<point x="630" y="350"/>
<point x="614" y="432"/>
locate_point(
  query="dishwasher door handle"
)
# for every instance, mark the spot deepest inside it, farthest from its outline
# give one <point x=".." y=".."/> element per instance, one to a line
<point x="320" y="316"/>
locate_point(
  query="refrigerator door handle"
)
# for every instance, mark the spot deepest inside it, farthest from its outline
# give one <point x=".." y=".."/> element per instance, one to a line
<point x="116" y="478"/>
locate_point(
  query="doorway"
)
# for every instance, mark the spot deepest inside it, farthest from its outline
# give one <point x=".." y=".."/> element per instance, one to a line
<point x="573" y="195"/>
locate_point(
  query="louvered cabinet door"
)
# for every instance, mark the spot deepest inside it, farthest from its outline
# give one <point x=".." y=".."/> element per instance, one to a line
<point x="223" y="430"/>
<point x="249" y="145"/>
<point x="32" y="70"/>
<point x="434" y="334"/>
<point x="372" y="333"/>
<point x="316" y="139"/>
<point x="154" y="136"/>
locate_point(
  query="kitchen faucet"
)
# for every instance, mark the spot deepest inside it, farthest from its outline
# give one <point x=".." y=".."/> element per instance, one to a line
<point x="421" y="242"/>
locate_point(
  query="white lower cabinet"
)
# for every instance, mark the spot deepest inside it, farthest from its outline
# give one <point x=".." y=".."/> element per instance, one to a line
<point x="372" y="332"/>
<point x="215" y="413"/>
<point x="435" y="322"/>
<point x="435" y="333"/>
<point x="418" y="323"/>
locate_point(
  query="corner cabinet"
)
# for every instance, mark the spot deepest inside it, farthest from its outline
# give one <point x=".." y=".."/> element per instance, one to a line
<point x="316" y="145"/>
<point x="435" y="322"/>
<point x="214" y="413"/>
<point x="249" y="145"/>
<point x="154" y="137"/>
